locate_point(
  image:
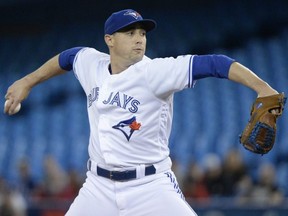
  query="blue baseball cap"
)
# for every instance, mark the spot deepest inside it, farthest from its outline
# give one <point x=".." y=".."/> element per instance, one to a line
<point x="124" y="18"/>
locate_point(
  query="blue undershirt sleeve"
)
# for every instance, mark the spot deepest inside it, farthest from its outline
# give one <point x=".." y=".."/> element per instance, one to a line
<point x="211" y="66"/>
<point x="66" y="58"/>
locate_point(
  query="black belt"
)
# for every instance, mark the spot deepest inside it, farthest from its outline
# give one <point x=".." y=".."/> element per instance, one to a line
<point x="122" y="175"/>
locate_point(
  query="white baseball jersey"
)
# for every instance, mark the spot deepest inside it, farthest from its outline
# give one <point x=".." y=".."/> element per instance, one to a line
<point x="130" y="113"/>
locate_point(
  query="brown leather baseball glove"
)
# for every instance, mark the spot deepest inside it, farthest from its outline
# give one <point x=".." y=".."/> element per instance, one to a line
<point x="260" y="132"/>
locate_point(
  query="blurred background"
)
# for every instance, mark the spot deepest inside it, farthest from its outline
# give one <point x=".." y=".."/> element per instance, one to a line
<point x="43" y="148"/>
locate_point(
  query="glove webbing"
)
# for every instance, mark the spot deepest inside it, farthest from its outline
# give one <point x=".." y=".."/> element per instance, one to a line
<point x="263" y="131"/>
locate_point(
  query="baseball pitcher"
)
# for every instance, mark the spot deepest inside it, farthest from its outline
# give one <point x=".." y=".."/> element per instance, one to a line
<point x="130" y="110"/>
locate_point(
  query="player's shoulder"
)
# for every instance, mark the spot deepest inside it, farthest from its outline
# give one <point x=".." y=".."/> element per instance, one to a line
<point x="164" y="61"/>
<point x="172" y="58"/>
<point x="147" y="62"/>
<point x="92" y="53"/>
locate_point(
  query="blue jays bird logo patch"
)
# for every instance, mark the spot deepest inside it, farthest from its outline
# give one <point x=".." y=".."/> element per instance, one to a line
<point x="127" y="127"/>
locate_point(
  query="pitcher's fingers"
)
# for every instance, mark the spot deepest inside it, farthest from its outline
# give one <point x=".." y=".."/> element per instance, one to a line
<point x="7" y="106"/>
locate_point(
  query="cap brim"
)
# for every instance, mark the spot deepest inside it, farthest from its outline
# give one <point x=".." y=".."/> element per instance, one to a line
<point x="147" y="24"/>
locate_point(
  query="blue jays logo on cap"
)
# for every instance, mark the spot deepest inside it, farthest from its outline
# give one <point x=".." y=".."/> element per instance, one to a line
<point x="127" y="127"/>
<point x="124" y="18"/>
<point x="134" y="14"/>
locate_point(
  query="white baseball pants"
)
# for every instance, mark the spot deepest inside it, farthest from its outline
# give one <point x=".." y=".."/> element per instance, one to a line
<point x="152" y="195"/>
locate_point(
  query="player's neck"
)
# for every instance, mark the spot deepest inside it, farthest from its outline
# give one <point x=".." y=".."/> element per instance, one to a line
<point x="116" y="68"/>
<point x="120" y="63"/>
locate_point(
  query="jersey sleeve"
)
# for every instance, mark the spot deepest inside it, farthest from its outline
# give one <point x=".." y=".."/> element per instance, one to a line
<point x="66" y="58"/>
<point x="168" y="75"/>
<point x="211" y="66"/>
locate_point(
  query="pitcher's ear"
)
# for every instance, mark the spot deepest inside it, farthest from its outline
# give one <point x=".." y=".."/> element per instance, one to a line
<point x="108" y="40"/>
